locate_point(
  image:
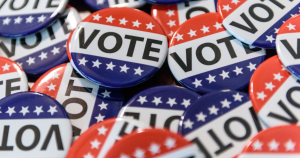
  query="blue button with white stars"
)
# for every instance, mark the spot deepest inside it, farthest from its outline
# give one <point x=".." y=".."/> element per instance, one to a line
<point x="160" y="106"/>
<point x="35" y="125"/>
<point x="220" y="123"/>
<point x="165" y="2"/>
<point x="101" y="4"/>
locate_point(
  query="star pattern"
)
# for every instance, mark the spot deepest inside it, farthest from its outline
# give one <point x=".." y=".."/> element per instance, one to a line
<point x="163" y="101"/>
<point x="274" y="145"/>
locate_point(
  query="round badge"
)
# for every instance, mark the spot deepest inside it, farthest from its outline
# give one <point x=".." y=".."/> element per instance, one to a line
<point x="125" y="44"/>
<point x="281" y="141"/>
<point x="256" y="22"/>
<point x="171" y="17"/>
<point x="44" y="50"/>
<point x="203" y="56"/>
<point x="274" y="94"/>
<point x="287" y="45"/>
<point x="12" y="78"/>
<point x="101" y="4"/>
<point x="99" y="138"/>
<point x="165" y="2"/>
<point x="85" y="102"/>
<point x="220" y="123"/>
<point x="25" y="17"/>
<point x="155" y="143"/>
<point x="160" y="106"/>
<point x="34" y="125"/>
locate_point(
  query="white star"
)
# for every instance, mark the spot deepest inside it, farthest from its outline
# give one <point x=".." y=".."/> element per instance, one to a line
<point x="139" y="153"/>
<point x="170" y="12"/>
<point x="224" y="74"/>
<point x="24" y="110"/>
<point x="150" y="26"/>
<point x="257" y="145"/>
<point x="225" y="103"/>
<point x="29" y="19"/>
<point x="51" y="87"/>
<point x="5" y="67"/>
<point x="205" y="29"/>
<point x="171" y="102"/>
<point x="43" y="56"/>
<point x="290" y="145"/>
<point x="238" y="70"/>
<point x="291" y="27"/>
<point x="30" y="61"/>
<point x="226" y="7"/>
<point x="273" y="145"/>
<point x="55" y="50"/>
<point x="201" y="117"/>
<point x="251" y="66"/>
<point x="269" y="86"/>
<point x="96" y="17"/>
<point x="95" y="144"/>
<point x="10" y="110"/>
<point x="171" y="23"/>
<point x="100" y="1"/>
<point x="88" y="156"/>
<point x="179" y="37"/>
<point x="211" y="78"/>
<point x="192" y="33"/>
<point x="292" y="15"/>
<point x="102" y="130"/>
<point x="55" y="75"/>
<point x="238" y="97"/>
<point x="41" y="18"/>
<point x="156" y="101"/>
<point x="186" y="103"/>
<point x="235" y="1"/>
<point x="261" y="95"/>
<point x="124" y="68"/>
<point x="270" y="38"/>
<point x="171" y="33"/>
<point x="278" y="76"/>
<point x="142" y="100"/>
<point x="18" y="20"/>
<point x="124" y="156"/>
<point x="20" y="64"/>
<point x="188" y="124"/>
<point x="154" y="148"/>
<point x="38" y="110"/>
<point x="103" y="105"/>
<point x="99" y="118"/>
<point x="213" y="110"/>
<point x="170" y="143"/>
<point x="218" y="25"/>
<point x="138" y="71"/>
<point x="136" y="23"/>
<point x="110" y="66"/>
<point x="123" y="21"/>
<point x="197" y="83"/>
<point x="52" y="110"/>
<point x="96" y="63"/>
<point x="276" y="30"/>
<point x="6" y="21"/>
<point x="106" y="94"/>
<point x="110" y="19"/>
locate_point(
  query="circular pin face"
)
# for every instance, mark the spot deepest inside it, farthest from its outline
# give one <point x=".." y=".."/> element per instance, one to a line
<point x="160" y="106"/>
<point x="25" y="17"/>
<point x="99" y="138"/>
<point x="287" y="47"/>
<point x="220" y="123"/>
<point x="280" y="141"/>
<point x="203" y="56"/>
<point x="85" y="102"/>
<point x="256" y="22"/>
<point x="155" y="143"/>
<point x="125" y="44"/>
<point x="34" y="125"/>
<point x="13" y="78"/>
<point x="171" y="17"/>
<point x="101" y="4"/>
<point x="165" y="2"/>
<point x="273" y="92"/>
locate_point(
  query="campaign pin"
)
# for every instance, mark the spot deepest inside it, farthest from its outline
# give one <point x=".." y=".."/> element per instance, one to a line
<point x="220" y="123"/>
<point x="24" y="17"/>
<point x="99" y="138"/>
<point x="125" y="44"/>
<point x="44" y="50"/>
<point x="171" y="17"/>
<point x="204" y="57"/>
<point x="33" y="125"/>
<point x="102" y="4"/>
<point x="85" y="102"/>
<point x="165" y="2"/>
<point x="256" y="22"/>
<point x="154" y="143"/>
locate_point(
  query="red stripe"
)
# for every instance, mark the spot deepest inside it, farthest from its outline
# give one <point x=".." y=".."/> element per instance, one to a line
<point x="233" y="6"/>
<point x="295" y="20"/>
<point x="13" y="66"/>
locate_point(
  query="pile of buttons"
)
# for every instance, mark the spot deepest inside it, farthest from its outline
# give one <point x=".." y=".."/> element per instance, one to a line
<point x="149" y="79"/>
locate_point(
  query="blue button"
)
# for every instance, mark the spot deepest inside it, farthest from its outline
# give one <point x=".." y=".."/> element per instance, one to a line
<point x="101" y="4"/>
<point x="165" y="2"/>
